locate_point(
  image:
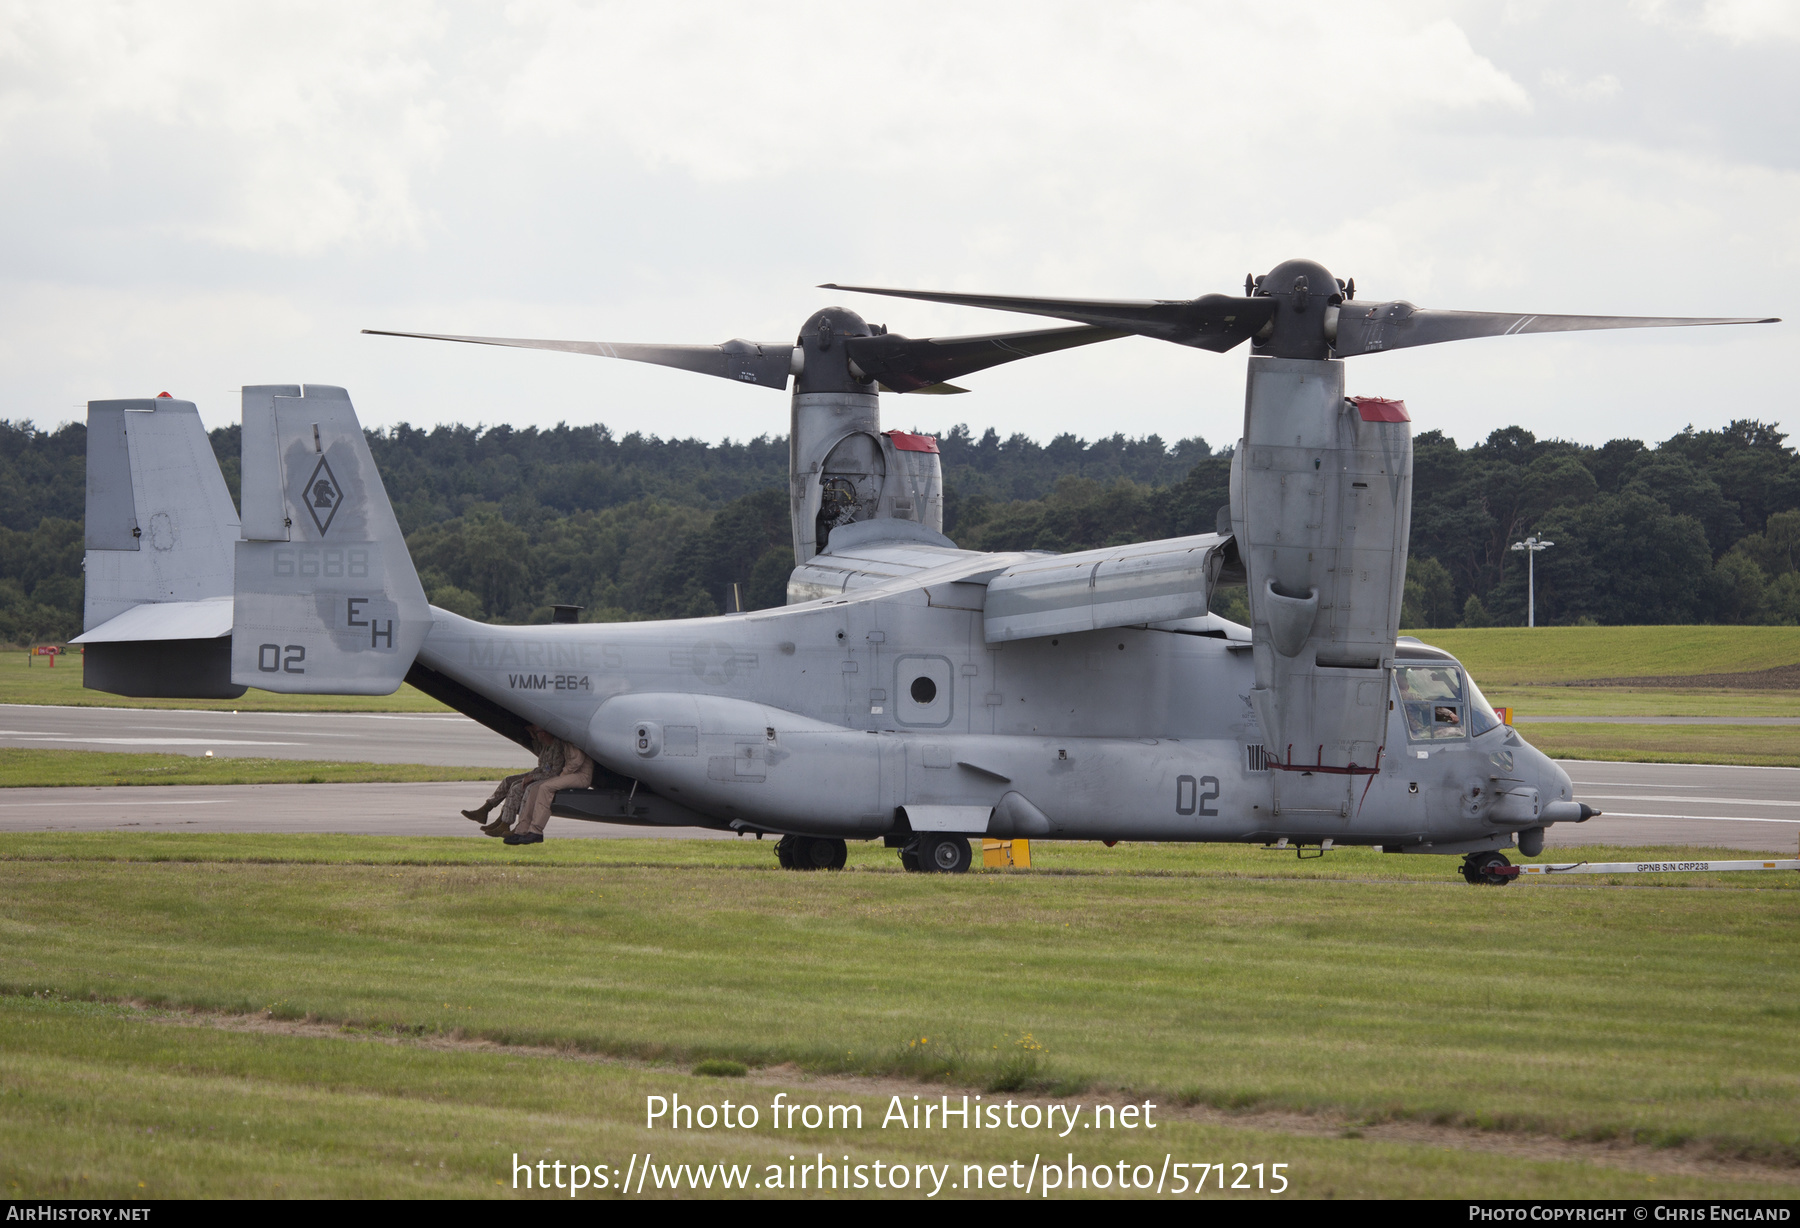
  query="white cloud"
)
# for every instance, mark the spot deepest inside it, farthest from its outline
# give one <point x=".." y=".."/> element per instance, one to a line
<point x="1562" y="82"/>
<point x="1739" y="21"/>
<point x="307" y="122"/>
<point x="210" y="190"/>
<point x="728" y="93"/>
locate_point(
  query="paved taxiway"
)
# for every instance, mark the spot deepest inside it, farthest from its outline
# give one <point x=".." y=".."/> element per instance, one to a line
<point x="1643" y="803"/>
<point x="366" y="810"/>
<point x="1753" y="808"/>
<point x="446" y="739"/>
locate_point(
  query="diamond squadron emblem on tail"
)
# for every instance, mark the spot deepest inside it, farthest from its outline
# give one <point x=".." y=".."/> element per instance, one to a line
<point x="322" y="496"/>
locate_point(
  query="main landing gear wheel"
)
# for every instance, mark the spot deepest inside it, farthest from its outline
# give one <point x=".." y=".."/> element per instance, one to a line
<point x="940" y="854"/>
<point x="909" y="857"/>
<point x="811" y="853"/>
<point x="1477" y="869"/>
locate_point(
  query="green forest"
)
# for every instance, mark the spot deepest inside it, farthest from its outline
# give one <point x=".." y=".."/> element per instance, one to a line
<point x="503" y="523"/>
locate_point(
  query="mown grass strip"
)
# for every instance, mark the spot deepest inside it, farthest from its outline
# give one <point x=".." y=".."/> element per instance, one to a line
<point x="115" y="1102"/>
<point x="24" y="680"/>
<point x="29" y="767"/>
<point x="1661" y="1016"/>
<point x="1049" y="858"/>
<point x="1520" y="656"/>
<point x="1641" y="701"/>
<point x="1750" y="745"/>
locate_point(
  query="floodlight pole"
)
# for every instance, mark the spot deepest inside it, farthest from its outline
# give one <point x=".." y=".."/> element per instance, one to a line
<point x="1531" y="546"/>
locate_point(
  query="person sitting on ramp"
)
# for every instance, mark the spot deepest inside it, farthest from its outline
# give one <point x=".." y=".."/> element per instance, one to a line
<point x="577" y="773"/>
<point x="509" y="795"/>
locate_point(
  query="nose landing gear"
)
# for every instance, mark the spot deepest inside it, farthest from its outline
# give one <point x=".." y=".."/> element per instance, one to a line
<point x="1478" y="869"/>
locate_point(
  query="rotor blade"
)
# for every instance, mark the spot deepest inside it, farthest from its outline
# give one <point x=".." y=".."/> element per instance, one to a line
<point x="1211" y="322"/>
<point x="1370" y="328"/>
<point x="921" y="364"/>
<point x="941" y="390"/>
<point x="746" y="362"/>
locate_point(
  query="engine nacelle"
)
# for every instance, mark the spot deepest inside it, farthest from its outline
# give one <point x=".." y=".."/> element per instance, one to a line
<point x="1321" y="497"/>
<point x="841" y="468"/>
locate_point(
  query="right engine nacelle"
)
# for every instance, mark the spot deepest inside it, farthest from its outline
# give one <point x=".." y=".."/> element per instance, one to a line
<point x="1321" y="499"/>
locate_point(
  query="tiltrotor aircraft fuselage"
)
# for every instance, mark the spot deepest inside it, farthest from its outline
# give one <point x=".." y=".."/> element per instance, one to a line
<point x="910" y="690"/>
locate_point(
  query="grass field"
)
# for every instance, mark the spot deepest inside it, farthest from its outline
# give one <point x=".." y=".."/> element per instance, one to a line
<point x="1641" y="701"/>
<point x="1394" y="1031"/>
<point x="1755" y="745"/>
<point x="27" y="681"/>
<point x="1519" y="656"/>
<point x="22" y="767"/>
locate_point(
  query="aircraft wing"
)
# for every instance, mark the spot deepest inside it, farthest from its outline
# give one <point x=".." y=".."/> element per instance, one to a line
<point x="1117" y="586"/>
<point x="1025" y="595"/>
<point x="877" y="552"/>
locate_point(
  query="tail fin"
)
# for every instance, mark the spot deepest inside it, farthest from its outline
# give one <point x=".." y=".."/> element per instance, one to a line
<point x="160" y="534"/>
<point x="327" y="601"/>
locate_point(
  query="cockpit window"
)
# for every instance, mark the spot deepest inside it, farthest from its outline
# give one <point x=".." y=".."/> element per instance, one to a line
<point x="1436" y="708"/>
<point x="1442" y="703"/>
<point x="1482" y="716"/>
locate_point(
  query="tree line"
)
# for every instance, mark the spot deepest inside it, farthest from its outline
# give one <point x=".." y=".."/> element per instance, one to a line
<point x="504" y="523"/>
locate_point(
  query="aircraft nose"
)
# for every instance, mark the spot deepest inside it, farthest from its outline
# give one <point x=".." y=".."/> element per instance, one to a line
<point x="1558" y="785"/>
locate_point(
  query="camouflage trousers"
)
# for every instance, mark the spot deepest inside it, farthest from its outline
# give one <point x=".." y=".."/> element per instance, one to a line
<point x="536" y="813"/>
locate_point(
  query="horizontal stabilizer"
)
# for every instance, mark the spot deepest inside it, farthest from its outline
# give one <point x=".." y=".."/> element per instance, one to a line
<point x="162" y="650"/>
<point x="207" y="619"/>
<point x="1119" y="587"/>
<point x="331" y="606"/>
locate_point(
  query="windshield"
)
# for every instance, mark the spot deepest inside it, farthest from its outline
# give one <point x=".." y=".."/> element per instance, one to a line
<point x="1432" y="696"/>
<point x="1482" y="716"/>
<point x="1442" y="703"/>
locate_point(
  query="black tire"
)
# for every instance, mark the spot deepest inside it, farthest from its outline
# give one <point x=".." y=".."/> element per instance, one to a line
<point x="784" y="852"/>
<point x="909" y="857"/>
<point x="822" y="854"/>
<point x="944" y="854"/>
<point x="1478" y="869"/>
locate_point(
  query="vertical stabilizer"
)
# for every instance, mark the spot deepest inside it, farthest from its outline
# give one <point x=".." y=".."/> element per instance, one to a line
<point x="261" y="480"/>
<point x="160" y="534"/>
<point x="160" y="523"/>
<point x="327" y="601"/>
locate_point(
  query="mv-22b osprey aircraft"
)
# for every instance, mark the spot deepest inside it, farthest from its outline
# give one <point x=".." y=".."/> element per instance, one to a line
<point x="910" y="691"/>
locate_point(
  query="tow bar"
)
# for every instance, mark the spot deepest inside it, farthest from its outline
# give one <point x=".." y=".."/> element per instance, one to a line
<point x="1639" y="867"/>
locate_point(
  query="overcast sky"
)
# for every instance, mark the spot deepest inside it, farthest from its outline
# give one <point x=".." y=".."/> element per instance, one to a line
<point x="198" y="196"/>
